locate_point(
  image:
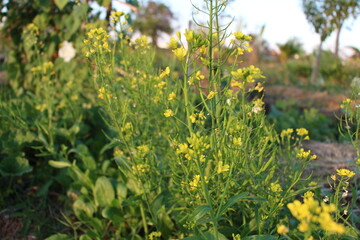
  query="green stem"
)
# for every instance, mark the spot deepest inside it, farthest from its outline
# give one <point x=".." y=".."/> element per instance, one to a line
<point x="146" y="230"/>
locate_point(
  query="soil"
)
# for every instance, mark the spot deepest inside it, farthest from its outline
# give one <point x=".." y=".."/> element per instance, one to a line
<point x="327" y="104"/>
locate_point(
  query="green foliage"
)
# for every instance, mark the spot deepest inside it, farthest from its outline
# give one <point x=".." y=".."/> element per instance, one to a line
<point x="138" y="152"/>
<point x="290" y="49"/>
<point x="289" y="114"/>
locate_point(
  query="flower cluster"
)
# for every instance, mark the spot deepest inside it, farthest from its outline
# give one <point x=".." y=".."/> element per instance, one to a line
<point x="97" y="41"/>
<point x="104" y="94"/>
<point x="197" y="118"/>
<point x="141" y="168"/>
<point x="115" y="16"/>
<point x="302" y="154"/>
<point x="286" y="133"/>
<point x="345" y="173"/>
<point x="154" y="235"/>
<point x="241" y="43"/>
<point x="313" y="216"/>
<point x="243" y="76"/>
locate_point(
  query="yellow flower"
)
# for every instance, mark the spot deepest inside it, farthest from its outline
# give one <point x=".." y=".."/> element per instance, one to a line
<point x="141" y="168"/>
<point x="103" y="94"/>
<point x="238" y="74"/>
<point x="173" y="44"/>
<point x="165" y="73"/>
<point x="302" y="131"/>
<point x="154" y="235"/>
<point x="259" y="87"/>
<point x="222" y="168"/>
<point x="189" y="35"/>
<point x="192" y="118"/>
<point x="41" y="107"/>
<point x="345" y="173"/>
<point x="211" y="95"/>
<point x="237" y="84"/>
<point x="240" y="51"/>
<point x="180" y="53"/>
<point x="194" y="183"/>
<point x="172" y="96"/>
<point x="275" y="187"/>
<point x="168" y="113"/>
<point x="237" y="141"/>
<point x="286" y="132"/>
<point x="182" y="148"/>
<point x="303" y="226"/>
<point x="238" y="35"/>
<point x="143" y="149"/>
<point x="199" y="76"/>
<point x="304" y="155"/>
<point x="282" y="230"/>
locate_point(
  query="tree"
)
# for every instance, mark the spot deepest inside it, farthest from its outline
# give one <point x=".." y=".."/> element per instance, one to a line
<point x="290" y="49"/>
<point x="338" y="11"/>
<point x="315" y="12"/>
<point x="154" y="19"/>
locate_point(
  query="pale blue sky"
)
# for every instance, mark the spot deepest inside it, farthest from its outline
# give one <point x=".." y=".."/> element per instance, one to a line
<point x="283" y="19"/>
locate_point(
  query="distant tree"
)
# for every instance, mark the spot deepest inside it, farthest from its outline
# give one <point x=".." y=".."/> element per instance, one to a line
<point x="153" y="19"/>
<point x="315" y="12"/>
<point x="289" y="49"/>
<point x="338" y="11"/>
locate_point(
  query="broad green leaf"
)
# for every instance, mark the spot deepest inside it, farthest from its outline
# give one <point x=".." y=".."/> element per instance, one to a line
<point x="113" y="214"/>
<point x="104" y="192"/>
<point x="82" y="209"/>
<point x="134" y="186"/>
<point x="59" y="236"/>
<point x="14" y="166"/>
<point x="59" y="164"/>
<point x="210" y="235"/>
<point x="260" y="237"/>
<point x="231" y="202"/>
<point x="85" y="237"/>
<point x="41" y="21"/>
<point x="121" y="191"/>
<point x="200" y="211"/>
<point x="61" y="3"/>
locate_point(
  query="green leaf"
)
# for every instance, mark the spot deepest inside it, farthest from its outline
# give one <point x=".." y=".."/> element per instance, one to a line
<point x="61" y="3"/>
<point x="121" y="191"/>
<point x="260" y="237"/>
<point x="41" y="21"/>
<point x="14" y="166"/>
<point x="59" y="236"/>
<point x="85" y="237"/>
<point x="104" y="192"/>
<point x="199" y="212"/>
<point x="59" y="164"/>
<point x="113" y="214"/>
<point x="231" y="202"/>
<point x="82" y="209"/>
<point x="210" y="235"/>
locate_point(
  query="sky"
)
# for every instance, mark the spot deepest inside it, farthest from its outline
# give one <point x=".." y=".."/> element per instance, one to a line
<point x="283" y="20"/>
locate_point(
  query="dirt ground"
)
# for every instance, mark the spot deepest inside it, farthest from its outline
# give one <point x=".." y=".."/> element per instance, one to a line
<point x="327" y="104"/>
